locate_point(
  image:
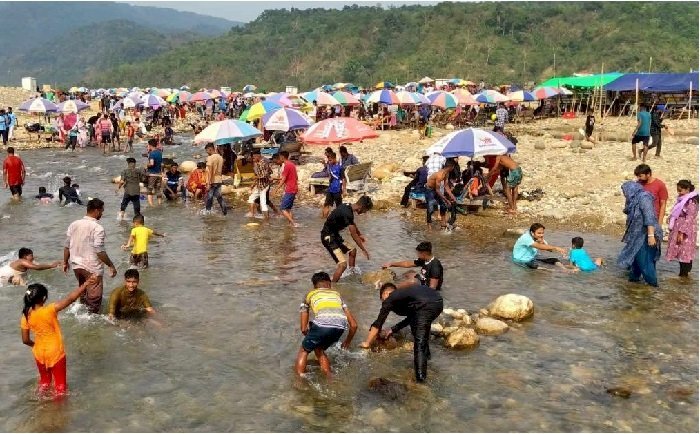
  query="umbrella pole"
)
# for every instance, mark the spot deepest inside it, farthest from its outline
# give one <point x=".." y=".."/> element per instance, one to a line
<point x="636" y="96"/>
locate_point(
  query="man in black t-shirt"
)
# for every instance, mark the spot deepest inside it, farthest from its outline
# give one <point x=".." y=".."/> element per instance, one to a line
<point x="430" y="271"/>
<point x="340" y="218"/>
<point x="421" y="306"/>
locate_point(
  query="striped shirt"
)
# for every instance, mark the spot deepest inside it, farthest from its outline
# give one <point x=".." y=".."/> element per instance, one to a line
<point x="435" y="163"/>
<point x="328" y="308"/>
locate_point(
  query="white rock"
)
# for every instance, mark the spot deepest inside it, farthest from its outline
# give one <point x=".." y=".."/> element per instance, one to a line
<point x="462" y="338"/>
<point x="436" y="328"/>
<point x="512" y="306"/>
<point x="490" y="326"/>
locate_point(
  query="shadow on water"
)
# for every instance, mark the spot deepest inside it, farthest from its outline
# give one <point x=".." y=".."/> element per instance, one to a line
<point x="228" y="295"/>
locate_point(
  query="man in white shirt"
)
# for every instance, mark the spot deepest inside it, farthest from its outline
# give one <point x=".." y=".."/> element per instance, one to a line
<point x="84" y="251"/>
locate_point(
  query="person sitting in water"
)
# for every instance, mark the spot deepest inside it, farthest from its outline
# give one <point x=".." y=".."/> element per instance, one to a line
<point x="68" y="193"/>
<point x="129" y="301"/>
<point x="43" y="196"/>
<point x="331" y="318"/>
<point x="173" y="183"/>
<point x="197" y="181"/>
<point x="15" y="272"/>
<point x="579" y="258"/>
<point x="525" y="249"/>
<point x="430" y="271"/>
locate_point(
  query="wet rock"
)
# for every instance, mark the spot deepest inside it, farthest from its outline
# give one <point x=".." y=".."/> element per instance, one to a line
<point x="490" y="326"/>
<point x="512" y="306"/>
<point x="619" y="391"/>
<point x="379" y="419"/>
<point x="187" y="166"/>
<point x="681" y="393"/>
<point x="383" y="276"/>
<point x="388" y="389"/>
<point x="513" y="232"/>
<point x="483" y="312"/>
<point x="436" y="328"/>
<point x="462" y="338"/>
<point x="385" y="344"/>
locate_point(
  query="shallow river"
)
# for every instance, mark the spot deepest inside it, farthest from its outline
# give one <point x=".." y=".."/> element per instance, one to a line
<point x="228" y="296"/>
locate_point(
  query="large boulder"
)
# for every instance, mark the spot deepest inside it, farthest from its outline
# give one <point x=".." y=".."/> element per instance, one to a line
<point x="384" y="170"/>
<point x="462" y="338"/>
<point x="512" y="306"/>
<point x="490" y="326"/>
<point x="187" y="166"/>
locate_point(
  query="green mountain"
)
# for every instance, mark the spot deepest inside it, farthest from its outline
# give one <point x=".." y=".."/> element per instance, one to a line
<point x="497" y="42"/>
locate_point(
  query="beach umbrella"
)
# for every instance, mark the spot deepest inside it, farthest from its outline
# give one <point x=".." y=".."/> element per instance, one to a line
<point x="249" y="88"/>
<point x="259" y="109"/>
<point x="321" y="98"/>
<point x="443" y="100"/>
<point x="422" y="99"/>
<point x="183" y="96"/>
<point x="521" y="95"/>
<point x="384" y="85"/>
<point x="72" y="106"/>
<point x="545" y="92"/>
<point x="38" y="105"/>
<point x="464" y="97"/>
<point x="200" y="97"/>
<point x="135" y="95"/>
<point x="228" y="131"/>
<point x="383" y="97"/>
<point x="185" y="87"/>
<point x="338" y="130"/>
<point x="286" y="119"/>
<point x="282" y="98"/>
<point x="406" y="98"/>
<point x="425" y="80"/>
<point x="346" y="98"/>
<point x="244" y="115"/>
<point x="472" y="142"/>
<point x="153" y="101"/>
<point x="163" y="93"/>
<point x="490" y="97"/>
<point x="73" y="89"/>
<point x="173" y="97"/>
<point x="215" y="93"/>
<point x="127" y="102"/>
<point x="564" y="91"/>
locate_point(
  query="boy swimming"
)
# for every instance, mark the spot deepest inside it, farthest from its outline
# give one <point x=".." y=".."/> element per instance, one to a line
<point x="128" y="300"/>
<point x="15" y="272"/>
<point x="139" y="237"/>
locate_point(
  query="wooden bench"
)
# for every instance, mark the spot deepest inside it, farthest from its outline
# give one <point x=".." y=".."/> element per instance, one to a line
<point x="355" y="179"/>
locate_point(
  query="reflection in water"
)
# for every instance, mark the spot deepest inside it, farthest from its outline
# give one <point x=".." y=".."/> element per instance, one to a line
<point x="228" y="296"/>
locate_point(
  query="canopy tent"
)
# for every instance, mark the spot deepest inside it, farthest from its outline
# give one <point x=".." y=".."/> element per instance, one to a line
<point x="655" y="82"/>
<point x="585" y="81"/>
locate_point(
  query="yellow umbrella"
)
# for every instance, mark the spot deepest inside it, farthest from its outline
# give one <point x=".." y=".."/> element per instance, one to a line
<point x="259" y="109"/>
<point x="73" y="89"/>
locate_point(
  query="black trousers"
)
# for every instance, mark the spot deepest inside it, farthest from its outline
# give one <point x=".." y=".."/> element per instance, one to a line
<point x="134" y="199"/>
<point x="420" y="327"/>
<point x="685" y="268"/>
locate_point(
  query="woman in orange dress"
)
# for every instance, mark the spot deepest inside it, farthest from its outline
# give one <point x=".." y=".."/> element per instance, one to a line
<point x="47" y="345"/>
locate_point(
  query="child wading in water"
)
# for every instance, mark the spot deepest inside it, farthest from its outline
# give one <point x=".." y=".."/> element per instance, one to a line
<point x="47" y="347"/>
<point x="139" y="237"/>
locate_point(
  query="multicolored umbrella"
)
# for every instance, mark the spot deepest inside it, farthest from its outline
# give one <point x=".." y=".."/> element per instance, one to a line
<point x="127" y="102"/>
<point x="199" y="97"/>
<point x="464" y="97"/>
<point x="384" y="85"/>
<point x="286" y="119"/>
<point x="520" y="96"/>
<point x="321" y="98"/>
<point x="406" y="98"/>
<point x="383" y="97"/>
<point x="215" y="93"/>
<point x="545" y="92"/>
<point x="73" y="89"/>
<point x="472" y="142"/>
<point x="346" y="98"/>
<point x="72" y="106"/>
<point x="153" y="101"/>
<point x="443" y="100"/>
<point x="173" y="97"/>
<point x="282" y="98"/>
<point x="163" y="93"/>
<point x="228" y="131"/>
<point x="183" y="96"/>
<point x="338" y="130"/>
<point x="249" y="88"/>
<point x="38" y="105"/>
<point x="490" y="97"/>
<point x="341" y="85"/>
<point x="564" y="91"/>
<point x="425" y="80"/>
<point x="259" y="109"/>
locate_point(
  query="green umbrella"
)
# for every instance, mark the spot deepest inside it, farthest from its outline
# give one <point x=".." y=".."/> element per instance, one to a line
<point x="244" y="115"/>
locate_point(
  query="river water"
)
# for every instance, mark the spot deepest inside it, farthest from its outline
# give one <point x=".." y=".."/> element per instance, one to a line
<point x="228" y="297"/>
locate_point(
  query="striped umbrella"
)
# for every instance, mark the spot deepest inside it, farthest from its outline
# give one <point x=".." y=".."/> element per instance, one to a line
<point x="321" y="98"/>
<point x="443" y="100"/>
<point x="259" y="109"/>
<point x="72" y="106"/>
<point x="228" y="131"/>
<point x="472" y="142"/>
<point x="464" y="97"/>
<point x="199" y="97"/>
<point x="346" y="98"/>
<point x="490" y="97"/>
<point x="38" y="105"/>
<point x="281" y="98"/>
<point x="338" y="130"/>
<point x="286" y="119"/>
<point x="173" y="97"/>
<point x="545" y="92"/>
<point x="406" y="98"/>
<point x="383" y="97"/>
<point x="183" y="96"/>
<point x="520" y="96"/>
<point x="153" y="101"/>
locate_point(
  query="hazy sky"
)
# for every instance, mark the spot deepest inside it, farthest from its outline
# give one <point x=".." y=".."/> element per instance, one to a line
<point x="249" y="10"/>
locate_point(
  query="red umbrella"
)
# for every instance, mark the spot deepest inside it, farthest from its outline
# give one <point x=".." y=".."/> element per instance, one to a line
<point x="338" y="130"/>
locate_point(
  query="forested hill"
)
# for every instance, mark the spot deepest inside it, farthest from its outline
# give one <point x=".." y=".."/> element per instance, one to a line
<point x="504" y="42"/>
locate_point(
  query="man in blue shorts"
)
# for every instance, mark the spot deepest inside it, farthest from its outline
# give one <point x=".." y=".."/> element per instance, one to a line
<point x="288" y="179"/>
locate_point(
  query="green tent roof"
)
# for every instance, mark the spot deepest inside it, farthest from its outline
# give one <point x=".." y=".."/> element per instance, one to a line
<point x="587" y="81"/>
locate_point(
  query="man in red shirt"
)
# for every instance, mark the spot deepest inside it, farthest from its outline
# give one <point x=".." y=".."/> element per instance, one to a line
<point x="654" y="186"/>
<point x="13" y="173"/>
<point x="289" y="179"/>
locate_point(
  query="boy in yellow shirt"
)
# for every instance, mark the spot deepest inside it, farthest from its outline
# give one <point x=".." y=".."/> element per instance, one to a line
<point x="139" y="237"/>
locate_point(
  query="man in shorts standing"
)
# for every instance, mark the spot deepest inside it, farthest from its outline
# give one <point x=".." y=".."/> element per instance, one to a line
<point x="215" y="165"/>
<point x="340" y="218"/>
<point x="642" y="133"/>
<point x="331" y="318"/>
<point x="288" y="179"/>
<point x="14" y="173"/>
<point x="513" y="180"/>
<point x="154" y="169"/>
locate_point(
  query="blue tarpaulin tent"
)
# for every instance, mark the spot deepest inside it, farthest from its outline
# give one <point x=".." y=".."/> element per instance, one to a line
<point x="655" y="82"/>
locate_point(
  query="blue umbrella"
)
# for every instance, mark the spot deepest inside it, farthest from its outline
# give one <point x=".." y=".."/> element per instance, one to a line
<point x="472" y="142"/>
<point x="227" y="131"/>
<point x="285" y="119"/>
<point x="38" y="105"/>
